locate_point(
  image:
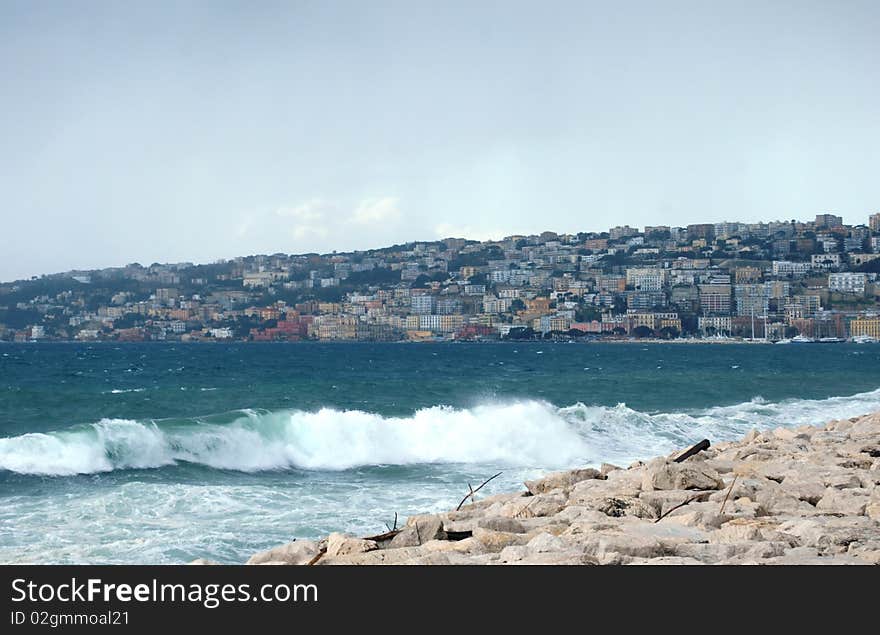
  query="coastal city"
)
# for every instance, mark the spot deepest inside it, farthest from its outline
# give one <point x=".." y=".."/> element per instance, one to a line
<point x="782" y="281"/>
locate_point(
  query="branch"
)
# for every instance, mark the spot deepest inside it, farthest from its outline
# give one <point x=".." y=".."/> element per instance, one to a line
<point x="317" y="557"/>
<point x="702" y="445"/>
<point x="687" y="502"/>
<point x="474" y="491"/>
<point x="729" y="489"/>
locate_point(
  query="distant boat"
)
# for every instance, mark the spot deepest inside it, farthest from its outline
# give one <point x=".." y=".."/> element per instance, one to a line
<point x="831" y="340"/>
<point x="864" y="339"/>
<point x="802" y="339"/>
<point x="783" y="341"/>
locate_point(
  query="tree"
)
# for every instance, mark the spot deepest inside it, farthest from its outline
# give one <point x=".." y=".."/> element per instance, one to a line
<point x="619" y="330"/>
<point x="517" y="305"/>
<point x="669" y="332"/>
<point x="643" y="331"/>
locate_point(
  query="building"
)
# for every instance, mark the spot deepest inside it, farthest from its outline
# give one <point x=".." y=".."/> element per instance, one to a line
<point x="715" y="299"/>
<point x="718" y="325"/>
<point x="828" y="221"/>
<point x="747" y="275"/>
<point x="874" y="222"/>
<point x="825" y="261"/>
<point x="645" y="279"/>
<point x="865" y="326"/>
<point x="751" y="299"/>
<point x="616" y="233"/>
<point x="702" y="231"/>
<point x="790" y="269"/>
<point x="847" y="282"/>
<point x="422" y="304"/>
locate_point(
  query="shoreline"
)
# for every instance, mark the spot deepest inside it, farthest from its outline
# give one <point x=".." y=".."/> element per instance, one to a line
<point x="807" y="495"/>
<point x="585" y="342"/>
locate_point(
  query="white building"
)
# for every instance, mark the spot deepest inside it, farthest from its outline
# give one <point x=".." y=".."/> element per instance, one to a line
<point x="788" y="268"/>
<point x="825" y="261"/>
<point x="847" y="282"/>
<point x="422" y="304"/>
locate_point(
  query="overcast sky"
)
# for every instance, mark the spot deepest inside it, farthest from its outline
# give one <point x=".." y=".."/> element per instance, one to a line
<point x="154" y="132"/>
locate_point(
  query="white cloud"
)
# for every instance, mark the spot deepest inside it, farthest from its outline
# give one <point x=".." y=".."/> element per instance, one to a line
<point x="376" y="210"/>
<point x="311" y="217"/>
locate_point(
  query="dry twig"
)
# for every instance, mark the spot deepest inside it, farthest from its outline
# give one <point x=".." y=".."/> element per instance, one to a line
<point x="729" y="489"/>
<point x="473" y="491"/>
<point x="687" y="502"/>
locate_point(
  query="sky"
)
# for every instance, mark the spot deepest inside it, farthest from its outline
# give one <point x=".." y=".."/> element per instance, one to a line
<point x="193" y="131"/>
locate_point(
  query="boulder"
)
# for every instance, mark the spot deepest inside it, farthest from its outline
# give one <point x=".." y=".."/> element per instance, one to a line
<point x="342" y="545"/>
<point x="662" y="475"/>
<point x="428" y="527"/>
<point x="851" y="502"/>
<point x="561" y="480"/>
<point x="298" y="552"/>
<point x="494" y="541"/>
<point x="545" y="542"/>
<point x="503" y="524"/>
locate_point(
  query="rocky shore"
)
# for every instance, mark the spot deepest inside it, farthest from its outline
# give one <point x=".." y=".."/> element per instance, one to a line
<point x="808" y="495"/>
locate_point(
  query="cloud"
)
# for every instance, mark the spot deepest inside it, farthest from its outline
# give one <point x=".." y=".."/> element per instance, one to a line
<point x="377" y="210"/>
<point x="311" y="217"/>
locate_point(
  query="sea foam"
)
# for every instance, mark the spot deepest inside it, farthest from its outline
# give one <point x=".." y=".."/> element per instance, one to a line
<point x="522" y="434"/>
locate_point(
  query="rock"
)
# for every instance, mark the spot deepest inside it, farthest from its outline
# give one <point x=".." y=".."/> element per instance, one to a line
<point x="561" y="480"/>
<point x="775" y="500"/>
<point x="298" y="552"/>
<point x="872" y="511"/>
<point x="342" y="545"/>
<point x="829" y="533"/>
<point x="408" y="537"/>
<point x="664" y="475"/>
<point x="429" y="527"/>
<point x="616" y="507"/>
<point x="869" y="552"/>
<point x="375" y="556"/>
<point x="606" y="468"/>
<point x="809" y="492"/>
<point x="624" y="544"/>
<point x="203" y="561"/>
<point x="735" y="532"/>
<point x="498" y="523"/>
<point x="495" y="541"/>
<point x="545" y="542"/>
<point x="538" y="505"/>
<point x="851" y="502"/>
<point x="665" y="560"/>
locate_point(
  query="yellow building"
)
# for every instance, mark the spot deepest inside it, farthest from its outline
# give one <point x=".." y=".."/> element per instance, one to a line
<point x="869" y="326"/>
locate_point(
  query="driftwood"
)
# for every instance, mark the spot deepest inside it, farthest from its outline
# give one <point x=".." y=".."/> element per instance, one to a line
<point x="680" y="505"/>
<point x="702" y="445"/>
<point x="473" y="491"/>
<point x="727" y="495"/>
<point x="388" y="535"/>
<point x="317" y="557"/>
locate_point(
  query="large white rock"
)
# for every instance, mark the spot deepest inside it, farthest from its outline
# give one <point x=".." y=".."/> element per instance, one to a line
<point x="663" y="475"/>
<point x="297" y="552"/>
<point x="342" y="545"/>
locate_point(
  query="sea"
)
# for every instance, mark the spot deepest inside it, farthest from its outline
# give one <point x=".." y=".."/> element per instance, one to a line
<point x="160" y="453"/>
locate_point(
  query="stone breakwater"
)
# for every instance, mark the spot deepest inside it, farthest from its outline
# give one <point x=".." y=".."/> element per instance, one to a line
<point x="808" y="495"/>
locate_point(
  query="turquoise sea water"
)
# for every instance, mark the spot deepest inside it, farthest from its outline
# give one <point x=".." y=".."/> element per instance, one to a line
<point x="160" y="453"/>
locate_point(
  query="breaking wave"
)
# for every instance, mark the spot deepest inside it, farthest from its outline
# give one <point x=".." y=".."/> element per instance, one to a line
<point x="525" y="434"/>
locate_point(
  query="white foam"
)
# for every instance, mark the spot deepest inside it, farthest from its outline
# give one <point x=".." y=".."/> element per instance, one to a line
<point x="521" y="434"/>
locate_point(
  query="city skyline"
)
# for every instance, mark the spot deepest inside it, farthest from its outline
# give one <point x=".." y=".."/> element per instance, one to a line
<point x="169" y="133"/>
<point x="869" y="219"/>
